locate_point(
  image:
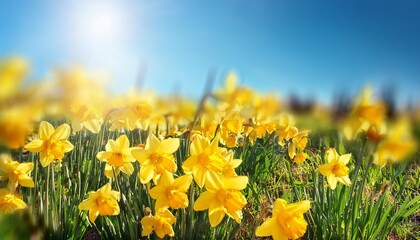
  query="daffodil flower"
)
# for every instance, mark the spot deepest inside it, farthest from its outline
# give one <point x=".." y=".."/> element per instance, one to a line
<point x="103" y="202"/>
<point x="17" y="173"/>
<point x="336" y="170"/>
<point x="287" y="221"/>
<point x="161" y="223"/>
<point x="10" y="201"/>
<point x="156" y="157"/>
<point x="51" y="143"/>
<point x="171" y="192"/>
<point x="366" y="113"/>
<point x="299" y="141"/>
<point x="397" y="144"/>
<point x="117" y="155"/>
<point x="222" y="197"/>
<point x="204" y="158"/>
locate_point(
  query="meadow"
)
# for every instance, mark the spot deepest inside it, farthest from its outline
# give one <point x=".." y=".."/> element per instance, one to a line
<point x="80" y="162"/>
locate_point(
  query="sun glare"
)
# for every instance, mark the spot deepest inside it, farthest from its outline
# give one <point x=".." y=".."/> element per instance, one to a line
<point x="98" y="25"/>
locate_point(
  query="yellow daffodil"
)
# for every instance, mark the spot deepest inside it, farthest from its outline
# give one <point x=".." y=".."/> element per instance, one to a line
<point x="171" y="192"/>
<point x="336" y="169"/>
<point x="51" y="143"/>
<point x="12" y="73"/>
<point x="397" y="144"/>
<point x="230" y="130"/>
<point x="284" y="129"/>
<point x="366" y="113"/>
<point x="287" y="221"/>
<point x="222" y="197"/>
<point x="117" y="155"/>
<point x="230" y="163"/>
<point x="9" y="201"/>
<point x="204" y="157"/>
<point x="156" y="157"/>
<point x="299" y="141"/>
<point x="209" y="126"/>
<point x="103" y="202"/>
<point x="83" y="116"/>
<point x="300" y="157"/>
<point x="232" y="94"/>
<point x="258" y="129"/>
<point x="15" y="124"/>
<point x="15" y="172"/>
<point x="136" y="115"/>
<point x="161" y="223"/>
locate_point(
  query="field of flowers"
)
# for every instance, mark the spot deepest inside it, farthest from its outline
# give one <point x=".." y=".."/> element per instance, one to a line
<point x="80" y="162"/>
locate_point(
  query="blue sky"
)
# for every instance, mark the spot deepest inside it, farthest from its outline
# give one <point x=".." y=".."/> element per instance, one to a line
<point x="311" y="48"/>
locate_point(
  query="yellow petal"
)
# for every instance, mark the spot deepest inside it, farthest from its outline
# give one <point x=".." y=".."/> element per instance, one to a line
<point x="379" y="159"/>
<point x="279" y="205"/>
<point x="170" y="218"/>
<point x="109" y="171"/>
<point x="325" y="169"/>
<point x="103" y="156"/>
<point x="67" y="146"/>
<point x="345" y="158"/>
<point x="237" y="183"/>
<point x="25" y="167"/>
<point x="292" y="150"/>
<point x="200" y="176"/>
<point x="35" y="146"/>
<point x="141" y="155"/>
<point x="26" y="181"/>
<point x="214" y="145"/>
<point x="93" y="125"/>
<point x="332" y="155"/>
<point x="169" y="145"/>
<point x="204" y="200"/>
<point x="122" y="142"/>
<point x="266" y="229"/>
<point x="216" y="216"/>
<point x="299" y="208"/>
<point x="61" y="133"/>
<point x="198" y="145"/>
<point x="87" y="204"/>
<point x="158" y="192"/>
<point x="236" y="215"/>
<point x="45" y="130"/>
<point x="152" y="142"/>
<point x="183" y="183"/>
<point x="213" y="181"/>
<point x="111" y="146"/>
<point x="345" y="180"/>
<point x="127" y="168"/>
<point x="146" y="173"/>
<point x="147" y="223"/>
<point x="234" y="163"/>
<point x="189" y="164"/>
<point x="93" y="214"/>
<point x="166" y="179"/>
<point x="332" y="181"/>
<point x="45" y="159"/>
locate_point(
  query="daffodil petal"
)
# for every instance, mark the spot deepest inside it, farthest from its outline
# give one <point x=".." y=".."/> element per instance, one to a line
<point x="45" y="130"/>
<point x="216" y="216"/>
<point x="203" y="201"/>
<point x="146" y="173"/>
<point x="35" y="146"/>
<point x="61" y="133"/>
<point x="169" y="145"/>
<point x="266" y="228"/>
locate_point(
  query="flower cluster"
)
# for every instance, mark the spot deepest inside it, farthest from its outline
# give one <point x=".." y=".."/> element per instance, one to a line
<point x="168" y="155"/>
